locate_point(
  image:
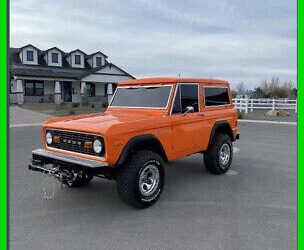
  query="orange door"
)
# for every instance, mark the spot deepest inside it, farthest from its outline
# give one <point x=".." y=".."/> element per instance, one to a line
<point x="187" y="129"/>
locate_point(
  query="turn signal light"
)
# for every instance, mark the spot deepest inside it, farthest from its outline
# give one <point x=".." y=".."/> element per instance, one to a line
<point x="88" y="144"/>
<point x="56" y="139"/>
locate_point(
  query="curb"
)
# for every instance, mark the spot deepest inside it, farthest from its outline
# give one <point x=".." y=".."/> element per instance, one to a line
<point x="24" y="125"/>
<point x="268" y="122"/>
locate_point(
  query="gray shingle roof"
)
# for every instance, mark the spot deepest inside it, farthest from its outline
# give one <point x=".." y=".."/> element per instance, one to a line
<point x="43" y="70"/>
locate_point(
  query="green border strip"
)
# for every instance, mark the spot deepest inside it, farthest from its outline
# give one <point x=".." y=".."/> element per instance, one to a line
<point x="3" y="124"/>
<point x="300" y="126"/>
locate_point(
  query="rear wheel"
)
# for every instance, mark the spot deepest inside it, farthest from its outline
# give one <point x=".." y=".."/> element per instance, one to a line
<point x="140" y="180"/>
<point x="218" y="157"/>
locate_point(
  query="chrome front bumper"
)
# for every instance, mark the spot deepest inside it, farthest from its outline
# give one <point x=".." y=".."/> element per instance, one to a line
<point x="42" y="157"/>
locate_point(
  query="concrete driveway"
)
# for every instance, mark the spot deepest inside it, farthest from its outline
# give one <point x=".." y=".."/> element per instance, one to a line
<point x="20" y="116"/>
<point x="254" y="206"/>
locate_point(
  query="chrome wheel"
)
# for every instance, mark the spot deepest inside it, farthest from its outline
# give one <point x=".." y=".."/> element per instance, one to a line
<point x="224" y="154"/>
<point x="149" y="180"/>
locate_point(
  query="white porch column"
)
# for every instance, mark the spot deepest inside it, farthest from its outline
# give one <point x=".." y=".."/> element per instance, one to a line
<point x="83" y="88"/>
<point x="19" y="92"/>
<point x="57" y="92"/>
<point x="110" y="92"/>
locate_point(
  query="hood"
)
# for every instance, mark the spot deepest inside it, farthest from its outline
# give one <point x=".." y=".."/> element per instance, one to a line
<point x="97" y="123"/>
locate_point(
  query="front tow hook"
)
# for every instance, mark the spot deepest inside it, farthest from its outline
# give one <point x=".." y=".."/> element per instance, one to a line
<point x="40" y="169"/>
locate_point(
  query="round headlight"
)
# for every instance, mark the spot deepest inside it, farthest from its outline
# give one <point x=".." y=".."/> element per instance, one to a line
<point x="97" y="146"/>
<point x="49" y="138"/>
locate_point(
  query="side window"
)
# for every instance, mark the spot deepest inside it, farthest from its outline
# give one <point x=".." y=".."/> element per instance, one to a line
<point x="186" y="95"/>
<point x="216" y="96"/>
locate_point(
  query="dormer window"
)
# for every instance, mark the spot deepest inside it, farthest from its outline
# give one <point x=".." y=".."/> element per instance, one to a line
<point x="54" y="57"/>
<point x="77" y="59"/>
<point x="30" y="55"/>
<point x="98" y="61"/>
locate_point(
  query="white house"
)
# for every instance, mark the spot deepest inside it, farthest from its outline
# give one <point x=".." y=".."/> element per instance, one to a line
<point x="56" y="76"/>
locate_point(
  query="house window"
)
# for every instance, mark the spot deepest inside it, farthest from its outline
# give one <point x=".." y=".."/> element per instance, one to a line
<point x="77" y="59"/>
<point x="30" y="55"/>
<point x="98" y="61"/>
<point x="90" y="87"/>
<point x="216" y="96"/>
<point x="54" y="57"/>
<point x="186" y="96"/>
<point x="34" y="88"/>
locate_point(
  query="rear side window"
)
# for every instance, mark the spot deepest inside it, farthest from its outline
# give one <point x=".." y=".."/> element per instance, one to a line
<point x="186" y="96"/>
<point x="216" y="96"/>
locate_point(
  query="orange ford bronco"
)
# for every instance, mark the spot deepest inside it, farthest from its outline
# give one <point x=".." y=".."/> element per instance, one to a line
<point x="147" y="123"/>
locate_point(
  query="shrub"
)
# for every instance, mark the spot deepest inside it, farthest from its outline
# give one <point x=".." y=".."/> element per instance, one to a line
<point x="92" y="105"/>
<point x="105" y="104"/>
<point x="75" y="104"/>
<point x="240" y="115"/>
<point x="71" y="111"/>
<point x="85" y="100"/>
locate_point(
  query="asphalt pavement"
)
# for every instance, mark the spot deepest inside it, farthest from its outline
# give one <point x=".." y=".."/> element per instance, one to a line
<point x="253" y="206"/>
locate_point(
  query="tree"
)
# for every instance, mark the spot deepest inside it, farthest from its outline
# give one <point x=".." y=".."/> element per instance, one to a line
<point x="257" y="93"/>
<point x="234" y="93"/>
<point x="274" y="89"/>
<point x="241" y="89"/>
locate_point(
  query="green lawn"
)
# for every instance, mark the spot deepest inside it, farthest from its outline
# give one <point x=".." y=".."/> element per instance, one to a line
<point x="63" y="109"/>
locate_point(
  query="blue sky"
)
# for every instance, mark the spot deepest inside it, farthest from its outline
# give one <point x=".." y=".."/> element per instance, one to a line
<point x="240" y="41"/>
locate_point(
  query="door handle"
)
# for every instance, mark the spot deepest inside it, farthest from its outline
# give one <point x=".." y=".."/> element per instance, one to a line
<point x="200" y="114"/>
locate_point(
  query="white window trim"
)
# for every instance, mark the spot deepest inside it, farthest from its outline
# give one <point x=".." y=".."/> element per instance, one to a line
<point x="57" y="58"/>
<point x="30" y="50"/>
<point x="101" y="61"/>
<point x="80" y="57"/>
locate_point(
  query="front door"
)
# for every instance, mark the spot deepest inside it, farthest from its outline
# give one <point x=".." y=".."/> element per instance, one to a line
<point x="67" y="91"/>
<point x="187" y="129"/>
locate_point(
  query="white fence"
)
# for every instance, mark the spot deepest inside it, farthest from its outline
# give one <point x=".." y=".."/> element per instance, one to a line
<point x="248" y="105"/>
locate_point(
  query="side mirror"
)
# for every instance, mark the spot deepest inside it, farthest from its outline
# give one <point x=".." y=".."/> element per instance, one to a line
<point x="188" y="110"/>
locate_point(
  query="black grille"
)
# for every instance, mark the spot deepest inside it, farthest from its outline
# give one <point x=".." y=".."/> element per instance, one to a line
<point x="74" y="142"/>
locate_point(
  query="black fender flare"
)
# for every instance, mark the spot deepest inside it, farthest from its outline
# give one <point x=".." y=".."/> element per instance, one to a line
<point x="221" y="126"/>
<point x="148" y="140"/>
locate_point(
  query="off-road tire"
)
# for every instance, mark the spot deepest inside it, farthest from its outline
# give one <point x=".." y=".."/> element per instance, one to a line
<point x="79" y="182"/>
<point x="212" y="155"/>
<point x="128" y="178"/>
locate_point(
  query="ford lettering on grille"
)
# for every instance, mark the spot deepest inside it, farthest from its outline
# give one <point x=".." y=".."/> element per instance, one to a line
<point x="75" y="142"/>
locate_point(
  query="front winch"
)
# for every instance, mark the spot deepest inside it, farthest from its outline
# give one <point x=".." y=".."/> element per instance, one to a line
<point x="63" y="175"/>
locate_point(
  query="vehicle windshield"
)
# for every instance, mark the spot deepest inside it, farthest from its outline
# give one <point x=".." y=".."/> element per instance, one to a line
<point x="142" y="97"/>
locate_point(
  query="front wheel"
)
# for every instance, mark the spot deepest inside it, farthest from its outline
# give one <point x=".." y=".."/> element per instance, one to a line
<point x="218" y="157"/>
<point x="140" y="180"/>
